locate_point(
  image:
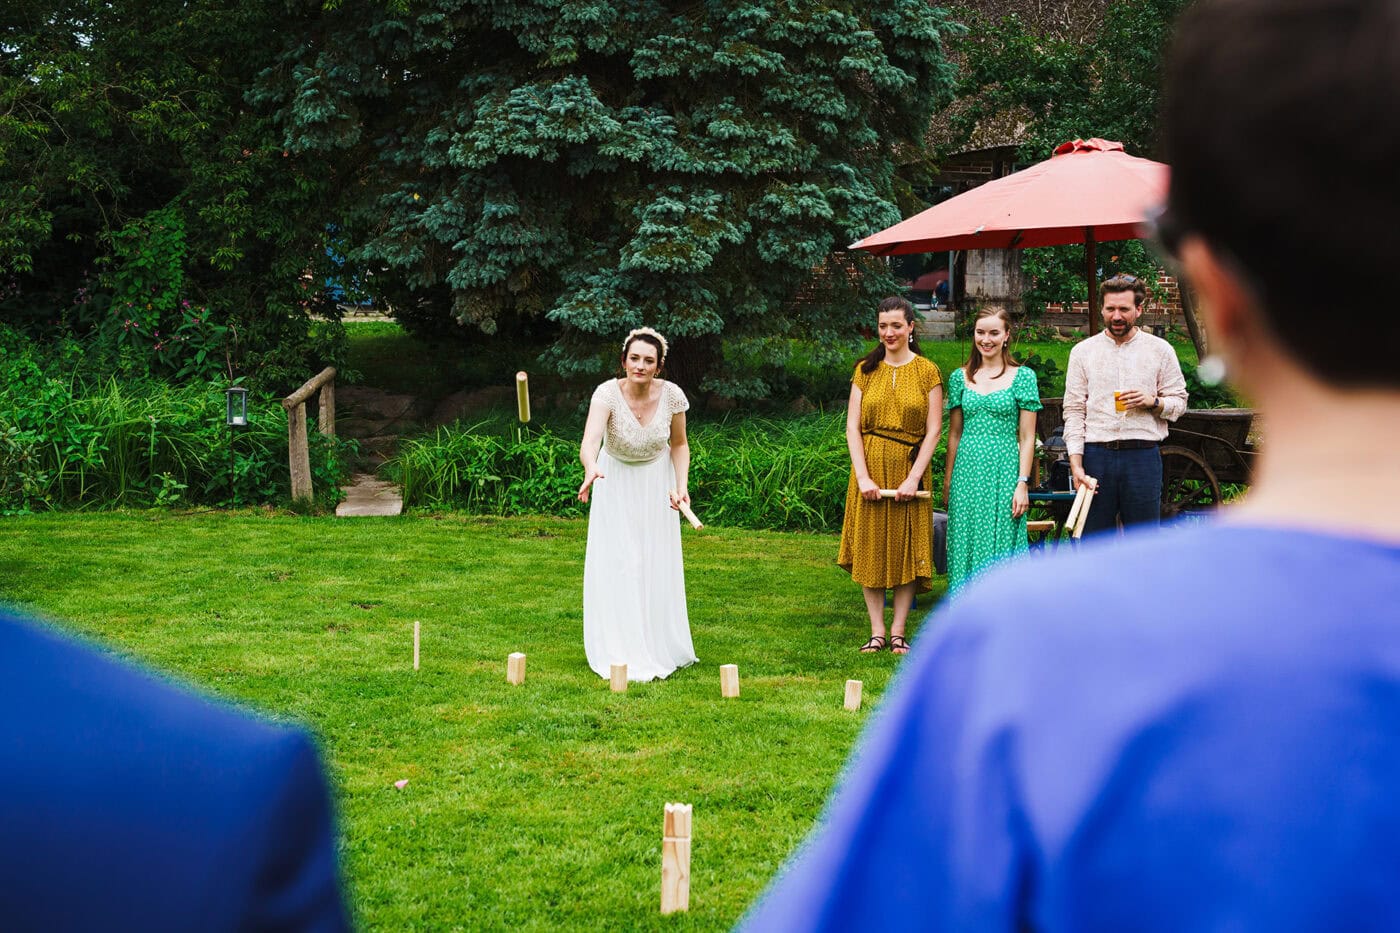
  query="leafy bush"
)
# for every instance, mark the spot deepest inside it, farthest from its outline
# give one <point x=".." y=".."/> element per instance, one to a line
<point x="1201" y="395"/>
<point x="786" y="474"/>
<point x="81" y="440"/>
<point x="1055" y="274"/>
<point x="1049" y="376"/>
<point x="21" y="480"/>
<point x="491" y="468"/>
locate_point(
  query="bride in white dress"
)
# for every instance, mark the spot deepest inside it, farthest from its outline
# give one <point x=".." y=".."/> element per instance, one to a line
<point x="633" y="583"/>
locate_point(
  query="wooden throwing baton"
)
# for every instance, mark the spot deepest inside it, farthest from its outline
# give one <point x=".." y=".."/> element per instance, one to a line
<point x="689" y="515"/>
<point x="1084" y="513"/>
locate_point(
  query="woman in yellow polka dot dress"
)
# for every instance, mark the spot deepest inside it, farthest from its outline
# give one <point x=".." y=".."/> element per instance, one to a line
<point x="893" y="421"/>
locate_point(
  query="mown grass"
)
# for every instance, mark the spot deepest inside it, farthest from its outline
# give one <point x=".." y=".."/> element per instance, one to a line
<point x="533" y="807"/>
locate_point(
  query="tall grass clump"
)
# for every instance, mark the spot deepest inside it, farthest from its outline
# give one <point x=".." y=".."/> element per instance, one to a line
<point x="787" y="474"/>
<point x="777" y="473"/>
<point x="75" y="439"/>
<point x="491" y="468"/>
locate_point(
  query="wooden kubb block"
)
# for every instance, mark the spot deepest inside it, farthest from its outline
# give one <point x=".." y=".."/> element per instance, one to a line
<point x="675" y="858"/>
<point x="515" y="668"/>
<point x="729" y="680"/>
<point x="617" y="679"/>
<point x="853" y="688"/>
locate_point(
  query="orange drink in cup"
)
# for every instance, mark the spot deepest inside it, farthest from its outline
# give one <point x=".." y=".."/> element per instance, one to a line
<point x="1118" y="402"/>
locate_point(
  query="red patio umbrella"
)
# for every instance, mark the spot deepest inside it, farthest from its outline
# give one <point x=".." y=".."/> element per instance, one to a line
<point x="1089" y="190"/>
<point x="930" y="280"/>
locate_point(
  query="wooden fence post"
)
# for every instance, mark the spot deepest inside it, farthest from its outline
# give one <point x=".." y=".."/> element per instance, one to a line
<point x="298" y="452"/>
<point x="325" y="420"/>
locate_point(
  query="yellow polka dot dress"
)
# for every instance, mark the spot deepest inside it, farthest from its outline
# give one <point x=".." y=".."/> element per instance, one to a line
<point x="887" y="543"/>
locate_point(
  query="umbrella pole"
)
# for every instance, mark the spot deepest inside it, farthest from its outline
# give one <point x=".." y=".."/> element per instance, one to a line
<point x="1091" y="273"/>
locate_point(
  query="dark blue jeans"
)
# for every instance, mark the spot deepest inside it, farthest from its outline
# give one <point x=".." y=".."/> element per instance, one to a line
<point x="1130" y="487"/>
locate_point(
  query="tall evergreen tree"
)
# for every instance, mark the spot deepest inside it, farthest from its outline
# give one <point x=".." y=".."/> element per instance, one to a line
<point x="598" y="165"/>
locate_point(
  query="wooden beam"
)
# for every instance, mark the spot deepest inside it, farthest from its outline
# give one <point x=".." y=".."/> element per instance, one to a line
<point x="311" y="385"/>
<point x="298" y="453"/>
<point x="325" y="419"/>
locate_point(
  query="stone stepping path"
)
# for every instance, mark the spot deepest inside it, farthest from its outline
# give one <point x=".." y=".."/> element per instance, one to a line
<point x="367" y="494"/>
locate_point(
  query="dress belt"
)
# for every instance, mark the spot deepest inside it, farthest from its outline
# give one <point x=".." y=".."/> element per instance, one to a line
<point x="1123" y="445"/>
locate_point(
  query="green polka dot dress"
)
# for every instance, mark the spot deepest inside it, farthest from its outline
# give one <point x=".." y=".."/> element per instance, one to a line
<point x="981" y="530"/>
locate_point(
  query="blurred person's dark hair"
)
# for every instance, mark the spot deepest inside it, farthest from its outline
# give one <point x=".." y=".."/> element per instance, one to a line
<point x="1284" y="144"/>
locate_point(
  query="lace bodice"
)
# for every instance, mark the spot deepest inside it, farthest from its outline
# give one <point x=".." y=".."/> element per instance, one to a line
<point x="626" y="438"/>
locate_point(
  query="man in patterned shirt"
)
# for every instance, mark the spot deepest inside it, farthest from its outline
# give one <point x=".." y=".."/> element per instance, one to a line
<point x="1122" y="388"/>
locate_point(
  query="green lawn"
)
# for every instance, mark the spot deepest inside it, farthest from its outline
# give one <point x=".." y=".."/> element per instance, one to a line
<point x="531" y="807"/>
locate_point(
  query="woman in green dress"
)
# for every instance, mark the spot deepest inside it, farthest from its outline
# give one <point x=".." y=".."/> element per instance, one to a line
<point x="991" y="439"/>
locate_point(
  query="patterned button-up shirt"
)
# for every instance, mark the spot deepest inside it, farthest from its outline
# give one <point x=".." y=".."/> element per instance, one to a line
<point x="1099" y="366"/>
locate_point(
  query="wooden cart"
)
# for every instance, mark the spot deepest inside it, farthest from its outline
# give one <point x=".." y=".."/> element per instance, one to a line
<point x="1205" y="448"/>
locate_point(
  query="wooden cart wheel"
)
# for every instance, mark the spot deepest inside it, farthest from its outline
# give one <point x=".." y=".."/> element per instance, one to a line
<point x="1189" y="485"/>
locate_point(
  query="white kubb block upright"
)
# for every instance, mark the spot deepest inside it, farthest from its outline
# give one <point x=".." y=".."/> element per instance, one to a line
<point x="853" y="688"/>
<point x="729" y="680"/>
<point x="617" y="678"/>
<point x="515" y="668"/>
<point x="675" y="858"/>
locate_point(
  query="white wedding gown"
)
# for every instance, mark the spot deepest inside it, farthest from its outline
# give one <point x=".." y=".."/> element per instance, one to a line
<point x="634" y="609"/>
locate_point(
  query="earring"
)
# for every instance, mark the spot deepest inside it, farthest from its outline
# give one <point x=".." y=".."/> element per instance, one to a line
<point x="1211" y="370"/>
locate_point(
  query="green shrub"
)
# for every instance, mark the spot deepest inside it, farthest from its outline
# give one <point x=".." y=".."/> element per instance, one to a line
<point x="1202" y="395"/>
<point x="22" y="482"/>
<point x="773" y="473"/>
<point x="79" y="440"/>
<point x="491" y="468"/>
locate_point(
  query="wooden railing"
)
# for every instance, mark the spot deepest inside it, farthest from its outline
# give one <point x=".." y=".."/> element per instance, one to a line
<point x="298" y="453"/>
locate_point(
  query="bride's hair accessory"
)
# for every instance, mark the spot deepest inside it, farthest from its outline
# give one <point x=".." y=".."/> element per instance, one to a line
<point x="647" y="332"/>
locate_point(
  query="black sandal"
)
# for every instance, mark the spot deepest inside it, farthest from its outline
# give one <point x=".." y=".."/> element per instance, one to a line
<point x="898" y="644"/>
<point x="875" y="645"/>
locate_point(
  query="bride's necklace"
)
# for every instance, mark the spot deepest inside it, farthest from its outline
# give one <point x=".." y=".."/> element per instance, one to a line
<point x="639" y="407"/>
